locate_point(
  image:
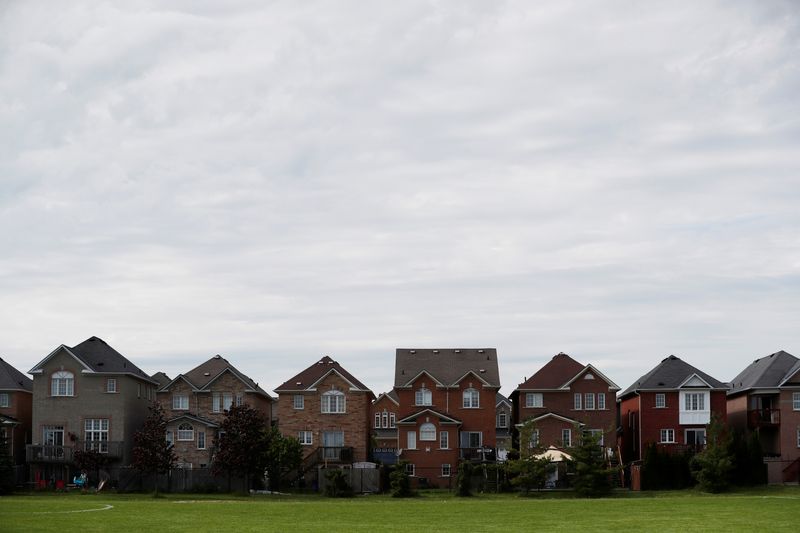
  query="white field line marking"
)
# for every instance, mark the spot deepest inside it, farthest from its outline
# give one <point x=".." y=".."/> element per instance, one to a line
<point x="106" y="507"/>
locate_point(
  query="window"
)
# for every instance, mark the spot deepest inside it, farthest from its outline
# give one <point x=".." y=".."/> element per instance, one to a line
<point x="533" y="399"/>
<point x="471" y="439"/>
<point x="577" y="402"/>
<point x="111" y="385"/>
<point x="306" y="438"/>
<point x="601" y="400"/>
<point x="169" y="437"/>
<point x="385" y="420"/>
<point x="695" y="437"/>
<point x="427" y="432"/>
<point x="566" y="437"/>
<point x="694" y="401"/>
<point x="201" y="440"/>
<point x="798" y="437"/>
<point x="411" y="439"/>
<point x="796" y="401"/>
<point x="589" y="401"/>
<point x="534" y="440"/>
<point x="216" y="402"/>
<point x="410" y="469"/>
<point x="392" y="420"/>
<point x="444" y="440"/>
<point x="471" y="399"/>
<point x="423" y="397"/>
<point x="333" y="402"/>
<point x="502" y="419"/>
<point x="667" y="436"/>
<point x="377" y="420"/>
<point x="227" y="401"/>
<point x="298" y="401"/>
<point x="138" y="390"/>
<point x="180" y="402"/>
<point x="62" y="384"/>
<point x="239" y="400"/>
<point x="596" y="433"/>
<point x="96" y="434"/>
<point x="332" y="444"/>
<point x="5" y="399"/>
<point x="446" y="470"/>
<point x="185" y="431"/>
<point x="661" y="400"/>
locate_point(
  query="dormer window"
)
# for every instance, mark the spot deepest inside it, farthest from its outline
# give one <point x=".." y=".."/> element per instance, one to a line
<point x="423" y="397"/>
<point x="471" y="398"/>
<point x="62" y="384"/>
<point x="333" y="402"/>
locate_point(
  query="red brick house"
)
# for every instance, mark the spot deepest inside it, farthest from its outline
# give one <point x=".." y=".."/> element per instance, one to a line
<point x="765" y="397"/>
<point x="446" y="412"/>
<point x="16" y="405"/>
<point x="329" y="411"/>
<point x="195" y="404"/>
<point x="563" y="397"/>
<point x="671" y="406"/>
<point x="384" y="428"/>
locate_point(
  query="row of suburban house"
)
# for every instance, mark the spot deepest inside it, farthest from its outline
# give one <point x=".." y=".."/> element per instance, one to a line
<point x="445" y="406"/>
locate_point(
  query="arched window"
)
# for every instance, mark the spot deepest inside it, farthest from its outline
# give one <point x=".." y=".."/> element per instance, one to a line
<point x="62" y="384"/>
<point x="427" y="431"/>
<point x="333" y="402"/>
<point x="423" y="397"/>
<point x="185" y="431"/>
<point x="471" y="398"/>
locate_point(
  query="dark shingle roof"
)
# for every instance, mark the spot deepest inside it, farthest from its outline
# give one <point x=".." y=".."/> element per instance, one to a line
<point x="161" y="378"/>
<point x="313" y="373"/>
<point x="13" y="379"/>
<point x="794" y="371"/>
<point x="668" y="375"/>
<point x="560" y="369"/>
<point x="98" y="357"/>
<point x="500" y="398"/>
<point x="447" y="365"/>
<point x="769" y="371"/>
<point x="204" y="373"/>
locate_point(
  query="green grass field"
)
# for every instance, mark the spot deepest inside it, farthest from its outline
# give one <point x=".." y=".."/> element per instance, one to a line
<point x="769" y="509"/>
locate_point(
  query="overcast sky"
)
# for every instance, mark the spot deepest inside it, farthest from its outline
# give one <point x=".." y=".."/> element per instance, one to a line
<point x="277" y="181"/>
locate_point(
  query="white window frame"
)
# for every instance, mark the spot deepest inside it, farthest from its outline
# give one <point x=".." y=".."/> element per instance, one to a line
<point x="661" y="400"/>
<point x="534" y="400"/>
<point x="62" y="383"/>
<point x="444" y="440"/>
<point x="427" y="432"/>
<point x="566" y="437"/>
<point x="180" y="402"/>
<point x="593" y="432"/>
<point x="695" y="407"/>
<point x="298" y="402"/>
<point x="216" y="402"/>
<point x="111" y="385"/>
<point x="423" y="396"/>
<point x="185" y="432"/>
<point x="201" y="440"/>
<point x="577" y="401"/>
<point x="533" y="441"/>
<point x="446" y="470"/>
<point x="385" y="420"/>
<point x="588" y="401"/>
<point x="377" y="420"/>
<point x="333" y="402"/>
<point x="95" y="434"/>
<point x="305" y="437"/>
<point x="666" y="436"/>
<point x="411" y="469"/>
<point x="471" y="399"/>
<point x="169" y="437"/>
<point x="227" y="401"/>
<point x="392" y="420"/>
<point x="411" y="440"/>
<point x="694" y="430"/>
<point x="5" y="399"/>
<point x="601" y="401"/>
<point x="502" y="419"/>
<point x="796" y="401"/>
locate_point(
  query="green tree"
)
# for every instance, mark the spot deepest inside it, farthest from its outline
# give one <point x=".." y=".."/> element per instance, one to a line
<point x="243" y="444"/>
<point x="283" y="456"/>
<point x="464" y="479"/>
<point x="713" y="466"/>
<point x="152" y="454"/>
<point x="529" y="473"/>
<point x="6" y="465"/>
<point x="399" y="482"/>
<point x="592" y="475"/>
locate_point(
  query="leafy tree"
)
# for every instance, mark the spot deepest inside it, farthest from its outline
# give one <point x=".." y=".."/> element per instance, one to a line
<point x="527" y="444"/>
<point x="399" y="481"/>
<point x="6" y="465"/>
<point x="243" y="443"/>
<point x="464" y="479"/>
<point x="152" y="454"/>
<point x="336" y="485"/>
<point x="283" y="456"/>
<point x="592" y="475"/>
<point x="529" y="473"/>
<point x="713" y="466"/>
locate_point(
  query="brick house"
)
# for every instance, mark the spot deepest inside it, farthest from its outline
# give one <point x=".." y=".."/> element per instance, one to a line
<point x="328" y="410"/>
<point x="563" y="397"/>
<point x="765" y="398"/>
<point x="195" y="404"/>
<point x="671" y="406"/>
<point x="446" y="410"/>
<point x="384" y="428"/>
<point x="85" y="397"/>
<point x="16" y="402"/>
<point x="504" y="416"/>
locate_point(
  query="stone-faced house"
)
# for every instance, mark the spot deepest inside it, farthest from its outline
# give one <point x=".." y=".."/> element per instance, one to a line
<point x="384" y="428"/>
<point x="670" y="406"/>
<point x="565" y="396"/>
<point x="765" y="398"/>
<point x="85" y="397"/>
<point x="446" y="411"/>
<point x="328" y="410"/>
<point x="195" y="404"/>
<point x="16" y="401"/>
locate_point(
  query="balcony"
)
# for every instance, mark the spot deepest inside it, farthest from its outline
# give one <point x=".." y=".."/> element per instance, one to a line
<point x="486" y="453"/>
<point x="38" y="453"/>
<point x="764" y="418"/>
<point x="335" y="454"/>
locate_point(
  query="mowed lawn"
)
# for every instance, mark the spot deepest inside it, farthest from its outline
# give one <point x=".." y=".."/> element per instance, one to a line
<point x="769" y="509"/>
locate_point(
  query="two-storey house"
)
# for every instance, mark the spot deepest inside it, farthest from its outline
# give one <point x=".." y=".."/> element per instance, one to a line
<point x="195" y="404"/>
<point x="85" y="397"/>
<point x="384" y="428"/>
<point x="765" y="398"/>
<point x="562" y="398"/>
<point x="670" y="406"/>
<point x="447" y="400"/>
<point x="503" y="413"/>
<point x="16" y="400"/>
<point x="328" y="410"/>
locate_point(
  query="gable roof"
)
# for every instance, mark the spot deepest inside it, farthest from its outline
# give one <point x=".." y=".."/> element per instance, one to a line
<point x="392" y="395"/>
<point x="794" y="371"/>
<point x="447" y="419"/>
<point x="194" y="418"/>
<point x="670" y="374"/>
<point x="97" y="357"/>
<point x="204" y="374"/>
<point x="499" y="398"/>
<point x="161" y="378"/>
<point x="309" y="377"/>
<point x="560" y="369"/>
<point x="13" y="379"/>
<point x="447" y="365"/>
<point x="766" y="372"/>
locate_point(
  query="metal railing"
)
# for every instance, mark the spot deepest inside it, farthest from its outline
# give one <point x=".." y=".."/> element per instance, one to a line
<point x="52" y="453"/>
<point x="764" y="417"/>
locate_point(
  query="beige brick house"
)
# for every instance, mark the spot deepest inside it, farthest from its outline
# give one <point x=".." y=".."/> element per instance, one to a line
<point x="195" y="404"/>
<point x="328" y="410"/>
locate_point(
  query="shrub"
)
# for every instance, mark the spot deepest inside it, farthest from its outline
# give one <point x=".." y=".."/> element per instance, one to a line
<point x="399" y="482"/>
<point x="464" y="479"/>
<point x="336" y="485"/>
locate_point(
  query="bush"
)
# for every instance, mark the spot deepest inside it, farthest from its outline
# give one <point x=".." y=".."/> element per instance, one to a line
<point x="399" y="482"/>
<point x="464" y="479"/>
<point x="336" y="485"/>
<point x="714" y="465"/>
